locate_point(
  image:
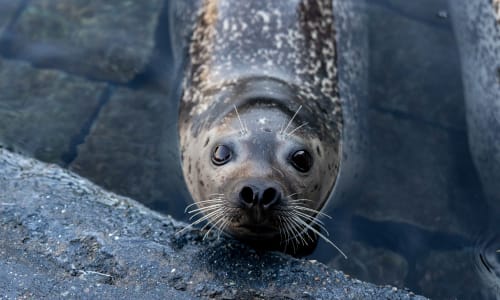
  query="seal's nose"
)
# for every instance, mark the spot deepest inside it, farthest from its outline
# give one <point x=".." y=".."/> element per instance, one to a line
<point x="263" y="196"/>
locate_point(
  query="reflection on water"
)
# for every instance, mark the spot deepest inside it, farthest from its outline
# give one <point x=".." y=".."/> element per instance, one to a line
<point x="418" y="219"/>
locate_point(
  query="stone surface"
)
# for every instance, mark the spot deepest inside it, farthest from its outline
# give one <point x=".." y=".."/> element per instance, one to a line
<point x="380" y="265"/>
<point x="78" y="240"/>
<point x="420" y="171"/>
<point x="478" y="37"/>
<point x="111" y="40"/>
<point x="132" y="150"/>
<point x="415" y="62"/>
<point x="453" y="270"/>
<point x="41" y="111"/>
<point x="8" y="9"/>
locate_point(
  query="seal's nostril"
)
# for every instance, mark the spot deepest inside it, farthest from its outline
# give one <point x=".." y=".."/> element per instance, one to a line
<point x="247" y="195"/>
<point x="269" y="197"/>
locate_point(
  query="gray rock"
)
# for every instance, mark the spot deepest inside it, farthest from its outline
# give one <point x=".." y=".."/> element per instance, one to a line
<point x="453" y="270"/>
<point x="8" y="9"/>
<point x="417" y="131"/>
<point x="478" y="36"/>
<point x="41" y="111"/>
<point x="381" y="266"/>
<point x="65" y="237"/>
<point x="136" y="134"/>
<point x="109" y="41"/>
<point x="416" y="62"/>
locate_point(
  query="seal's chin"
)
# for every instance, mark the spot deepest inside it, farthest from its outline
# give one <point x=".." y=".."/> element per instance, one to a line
<point x="253" y="232"/>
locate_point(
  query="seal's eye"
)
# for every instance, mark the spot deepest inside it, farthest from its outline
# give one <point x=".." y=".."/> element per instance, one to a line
<point x="221" y="155"/>
<point x="301" y="160"/>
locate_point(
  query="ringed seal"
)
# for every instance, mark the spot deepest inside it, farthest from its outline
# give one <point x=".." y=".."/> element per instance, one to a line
<point x="260" y="119"/>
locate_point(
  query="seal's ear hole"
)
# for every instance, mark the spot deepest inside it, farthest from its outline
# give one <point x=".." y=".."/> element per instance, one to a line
<point x="301" y="160"/>
<point x="221" y="155"/>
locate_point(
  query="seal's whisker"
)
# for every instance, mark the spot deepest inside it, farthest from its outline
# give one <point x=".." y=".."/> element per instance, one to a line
<point x="302" y="200"/>
<point x="244" y="129"/>
<point x="279" y="172"/>
<point x="223" y="226"/>
<point x="298" y="233"/>
<point x="208" y="201"/>
<point x="214" y="225"/>
<point x="284" y="233"/>
<point x="206" y="217"/>
<point x="203" y="212"/>
<point x="315" y="231"/>
<point x="291" y="195"/>
<point x="291" y="120"/>
<point x="215" y="218"/>
<point x="282" y="127"/>
<point x="290" y="233"/>
<point x="296" y="128"/>
<point x="314" y="221"/>
<point x="215" y="194"/>
<point x="214" y="200"/>
<point x="320" y="213"/>
<point x="208" y="207"/>
<point x="283" y="228"/>
<point x="300" y="223"/>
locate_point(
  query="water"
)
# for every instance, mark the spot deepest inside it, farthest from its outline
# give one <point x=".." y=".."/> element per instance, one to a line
<point x="420" y="217"/>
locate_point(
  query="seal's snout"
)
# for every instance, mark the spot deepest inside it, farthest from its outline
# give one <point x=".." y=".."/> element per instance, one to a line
<point x="264" y="196"/>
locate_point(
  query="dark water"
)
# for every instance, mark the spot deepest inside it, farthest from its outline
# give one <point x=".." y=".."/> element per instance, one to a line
<point x="419" y="218"/>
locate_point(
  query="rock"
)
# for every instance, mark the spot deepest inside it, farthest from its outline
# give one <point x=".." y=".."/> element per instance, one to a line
<point x="453" y="270"/>
<point x="478" y="37"/>
<point x="382" y="266"/>
<point x="132" y="149"/>
<point x="65" y="237"/>
<point x="42" y="111"/>
<point x="420" y="170"/>
<point x="8" y="10"/>
<point x="415" y="63"/>
<point x="112" y="41"/>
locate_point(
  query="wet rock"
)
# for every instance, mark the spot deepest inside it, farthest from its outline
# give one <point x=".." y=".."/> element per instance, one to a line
<point x="379" y="265"/>
<point x="42" y="111"/>
<point x="69" y="238"/>
<point x="109" y="41"/>
<point x="8" y="9"/>
<point x="418" y="175"/>
<point x="136" y="134"/>
<point x="440" y="266"/>
<point x="478" y="36"/>
<point x="420" y="170"/>
<point x="415" y="63"/>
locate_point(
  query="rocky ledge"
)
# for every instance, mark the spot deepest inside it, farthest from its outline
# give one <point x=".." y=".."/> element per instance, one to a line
<point x="63" y="236"/>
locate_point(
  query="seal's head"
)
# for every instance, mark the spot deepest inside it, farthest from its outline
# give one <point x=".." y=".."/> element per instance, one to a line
<point x="262" y="171"/>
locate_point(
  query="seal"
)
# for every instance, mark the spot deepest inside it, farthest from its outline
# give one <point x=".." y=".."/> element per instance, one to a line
<point x="260" y="120"/>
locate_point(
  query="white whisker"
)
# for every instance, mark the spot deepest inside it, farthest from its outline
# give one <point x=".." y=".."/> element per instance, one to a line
<point x="291" y="120"/>
<point x="311" y="210"/>
<point x="244" y="129"/>
<point x="314" y="230"/>
<point x="296" y="128"/>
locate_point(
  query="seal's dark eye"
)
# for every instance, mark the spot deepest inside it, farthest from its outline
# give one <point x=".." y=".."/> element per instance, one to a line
<point x="221" y="155"/>
<point x="301" y="160"/>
